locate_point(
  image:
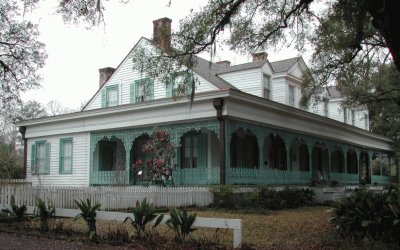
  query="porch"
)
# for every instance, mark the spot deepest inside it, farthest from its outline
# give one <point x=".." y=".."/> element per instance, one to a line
<point x="254" y="155"/>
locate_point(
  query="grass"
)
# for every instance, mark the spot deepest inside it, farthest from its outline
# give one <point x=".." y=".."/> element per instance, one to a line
<point x="302" y="228"/>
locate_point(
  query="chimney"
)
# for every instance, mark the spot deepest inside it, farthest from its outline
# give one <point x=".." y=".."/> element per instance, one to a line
<point x="104" y="75"/>
<point x="260" y="56"/>
<point x="225" y="63"/>
<point x="162" y="33"/>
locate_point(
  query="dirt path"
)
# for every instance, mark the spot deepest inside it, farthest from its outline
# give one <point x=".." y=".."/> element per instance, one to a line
<point x="25" y="242"/>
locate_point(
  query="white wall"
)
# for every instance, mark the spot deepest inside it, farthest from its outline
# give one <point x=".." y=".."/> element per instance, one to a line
<point x="248" y="81"/>
<point x="80" y="162"/>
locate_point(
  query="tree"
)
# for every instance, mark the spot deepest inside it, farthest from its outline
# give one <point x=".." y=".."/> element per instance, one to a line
<point x="21" y="54"/>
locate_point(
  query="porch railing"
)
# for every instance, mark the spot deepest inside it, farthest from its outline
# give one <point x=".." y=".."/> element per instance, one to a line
<point x="196" y="176"/>
<point x="383" y="179"/>
<point x="108" y="177"/>
<point x="266" y="176"/>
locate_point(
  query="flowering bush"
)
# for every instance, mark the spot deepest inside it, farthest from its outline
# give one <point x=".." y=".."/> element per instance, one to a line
<point x="161" y="164"/>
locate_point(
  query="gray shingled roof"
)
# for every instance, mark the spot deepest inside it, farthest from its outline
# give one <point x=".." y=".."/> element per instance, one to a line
<point x="284" y="65"/>
<point x="251" y="65"/>
<point x="333" y="92"/>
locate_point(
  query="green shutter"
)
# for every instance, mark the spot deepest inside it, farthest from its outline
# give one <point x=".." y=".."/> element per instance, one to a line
<point x="103" y="98"/>
<point x="133" y="92"/>
<point x="150" y="90"/>
<point x="33" y="158"/>
<point x="60" y="157"/>
<point x="117" y="87"/>
<point x="47" y="158"/>
<point x="169" y="86"/>
<point x="202" y="147"/>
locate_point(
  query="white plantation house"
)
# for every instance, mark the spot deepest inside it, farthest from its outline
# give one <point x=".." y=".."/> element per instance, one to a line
<point x="245" y="127"/>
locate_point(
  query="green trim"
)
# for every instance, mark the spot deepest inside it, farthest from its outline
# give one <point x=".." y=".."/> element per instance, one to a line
<point x="61" y="155"/>
<point x="35" y="159"/>
<point x="105" y="95"/>
<point x="148" y="90"/>
<point x="171" y="87"/>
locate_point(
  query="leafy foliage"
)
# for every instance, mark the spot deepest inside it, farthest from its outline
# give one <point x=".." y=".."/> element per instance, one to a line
<point x="44" y="213"/>
<point x="143" y="213"/>
<point x="262" y="198"/>
<point x="181" y="223"/>
<point x="161" y="164"/>
<point x="366" y="214"/>
<point x="17" y="211"/>
<point x="88" y="213"/>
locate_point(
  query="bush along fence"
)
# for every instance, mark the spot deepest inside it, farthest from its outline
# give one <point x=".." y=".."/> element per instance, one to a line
<point x="111" y="198"/>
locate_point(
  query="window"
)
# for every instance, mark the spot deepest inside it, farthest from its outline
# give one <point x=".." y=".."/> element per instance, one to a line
<point x="65" y="161"/>
<point x="353" y="117"/>
<point x="194" y="151"/>
<point x="244" y="150"/>
<point x="40" y="158"/>
<point x="326" y="107"/>
<point x="142" y="90"/>
<point x="291" y="95"/>
<point x="110" y="96"/>
<point x="345" y="115"/>
<point x="366" y="121"/>
<point x="179" y="84"/>
<point x="267" y="86"/>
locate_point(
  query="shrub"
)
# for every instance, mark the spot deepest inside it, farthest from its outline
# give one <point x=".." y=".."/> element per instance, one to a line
<point x="18" y="212"/>
<point x="366" y="214"/>
<point x="44" y="213"/>
<point x="143" y="213"/>
<point x="223" y="196"/>
<point x="88" y="213"/>
<point x="181" y="223"/>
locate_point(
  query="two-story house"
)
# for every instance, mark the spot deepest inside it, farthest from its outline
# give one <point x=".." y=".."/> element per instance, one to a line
<point x="244" y="127"/>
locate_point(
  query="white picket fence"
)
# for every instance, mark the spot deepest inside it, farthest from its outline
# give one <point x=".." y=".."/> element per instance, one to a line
<point x="110" y="198"/>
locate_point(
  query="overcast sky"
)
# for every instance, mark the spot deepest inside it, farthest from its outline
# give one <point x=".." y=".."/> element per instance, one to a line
<point x="75" y="53"/>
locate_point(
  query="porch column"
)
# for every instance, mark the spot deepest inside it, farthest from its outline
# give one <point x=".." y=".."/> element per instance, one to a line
<point x="287" y="140"/>
<point x="22" y="130"/>
<point x="127" y="145"/>
<point x="345" y="151"/>
<point x="329" y="149"/>
<point x="260" y="140"/>
<point x="218" y="105"/>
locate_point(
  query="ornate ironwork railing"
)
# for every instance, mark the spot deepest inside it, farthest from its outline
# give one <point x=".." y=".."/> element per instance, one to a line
<point x="383" y="179"/>
<point x="196" y="176"/>
<point x="266" y="176"/>
<point x="108" y="178"/>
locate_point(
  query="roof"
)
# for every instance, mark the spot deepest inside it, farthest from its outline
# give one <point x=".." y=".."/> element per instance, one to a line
<point x="333" y="92"/>
<point x="251" y="65"/>
<point x="284" y="65"/>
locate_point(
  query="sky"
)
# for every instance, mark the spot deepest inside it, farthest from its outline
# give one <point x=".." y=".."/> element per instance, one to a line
<point x="75" y="53"/>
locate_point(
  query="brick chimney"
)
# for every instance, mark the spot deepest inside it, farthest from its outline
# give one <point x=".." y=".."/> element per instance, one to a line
<point x="162" y="33"/>
<point x="104" y="75"/>
<point x="260" y="56"/>
<point x="225" y="63"/>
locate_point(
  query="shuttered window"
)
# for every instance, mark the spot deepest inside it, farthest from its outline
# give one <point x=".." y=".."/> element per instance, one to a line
<point x="179" y="84"/>
<point x="110" y="96"/>
<point x="291" y="96"/>
<point x="194" y="151"/>
<point x="142" y="90"/>
<point x="40" y="158"/>
<point x="65" y="160"/>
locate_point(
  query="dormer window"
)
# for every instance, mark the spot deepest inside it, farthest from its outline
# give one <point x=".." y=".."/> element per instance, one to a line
<point x="291" y="96"/>
<point x="345" y="110"/>
<point x="267" y="86"/>
<point x="353" y="117"/>
<point x="142" y="90"/>
<point x="326" y="107"/>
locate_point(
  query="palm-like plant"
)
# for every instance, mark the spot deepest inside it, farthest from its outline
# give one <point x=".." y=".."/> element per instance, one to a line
<point x="44" y="213"/>
<point x="143" y="213"/>
<point x="181" y="223"/>
<point x="88" y="213"/>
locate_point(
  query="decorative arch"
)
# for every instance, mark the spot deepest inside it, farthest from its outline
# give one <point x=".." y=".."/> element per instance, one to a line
<point x="299" y="155"/>
<point x="244" y="149"/>
<point x="320" y="162"/>
<point x="275" y="152"/>
<point x="337" y="161"/>
<point x="352" y="162"/>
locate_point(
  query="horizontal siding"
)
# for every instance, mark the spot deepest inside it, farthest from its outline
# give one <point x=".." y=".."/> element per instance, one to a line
<point x="335" y="111"/>
<point x="279" y="88"/>
<point x="80" y="163"/>
<point x="248" y="81"/>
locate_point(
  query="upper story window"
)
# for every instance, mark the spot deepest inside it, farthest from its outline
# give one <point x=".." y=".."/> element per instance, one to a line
<point x="110" y="96"/>
<point x="345" y="110"/>
<point x="366" y="123"/>
<point x="326" y="107"/>
<point x="40" y="158"/>
<point x="291" y="96"/>
<point x="179" y="84"/>
<point x="267" y="86"/>
<point x="142" y="90"/>
<point x="353" y="117"/>
<point x="65" y="161"/>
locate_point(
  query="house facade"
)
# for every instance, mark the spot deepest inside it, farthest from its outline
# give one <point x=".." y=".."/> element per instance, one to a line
<point x="244" y="127"/>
